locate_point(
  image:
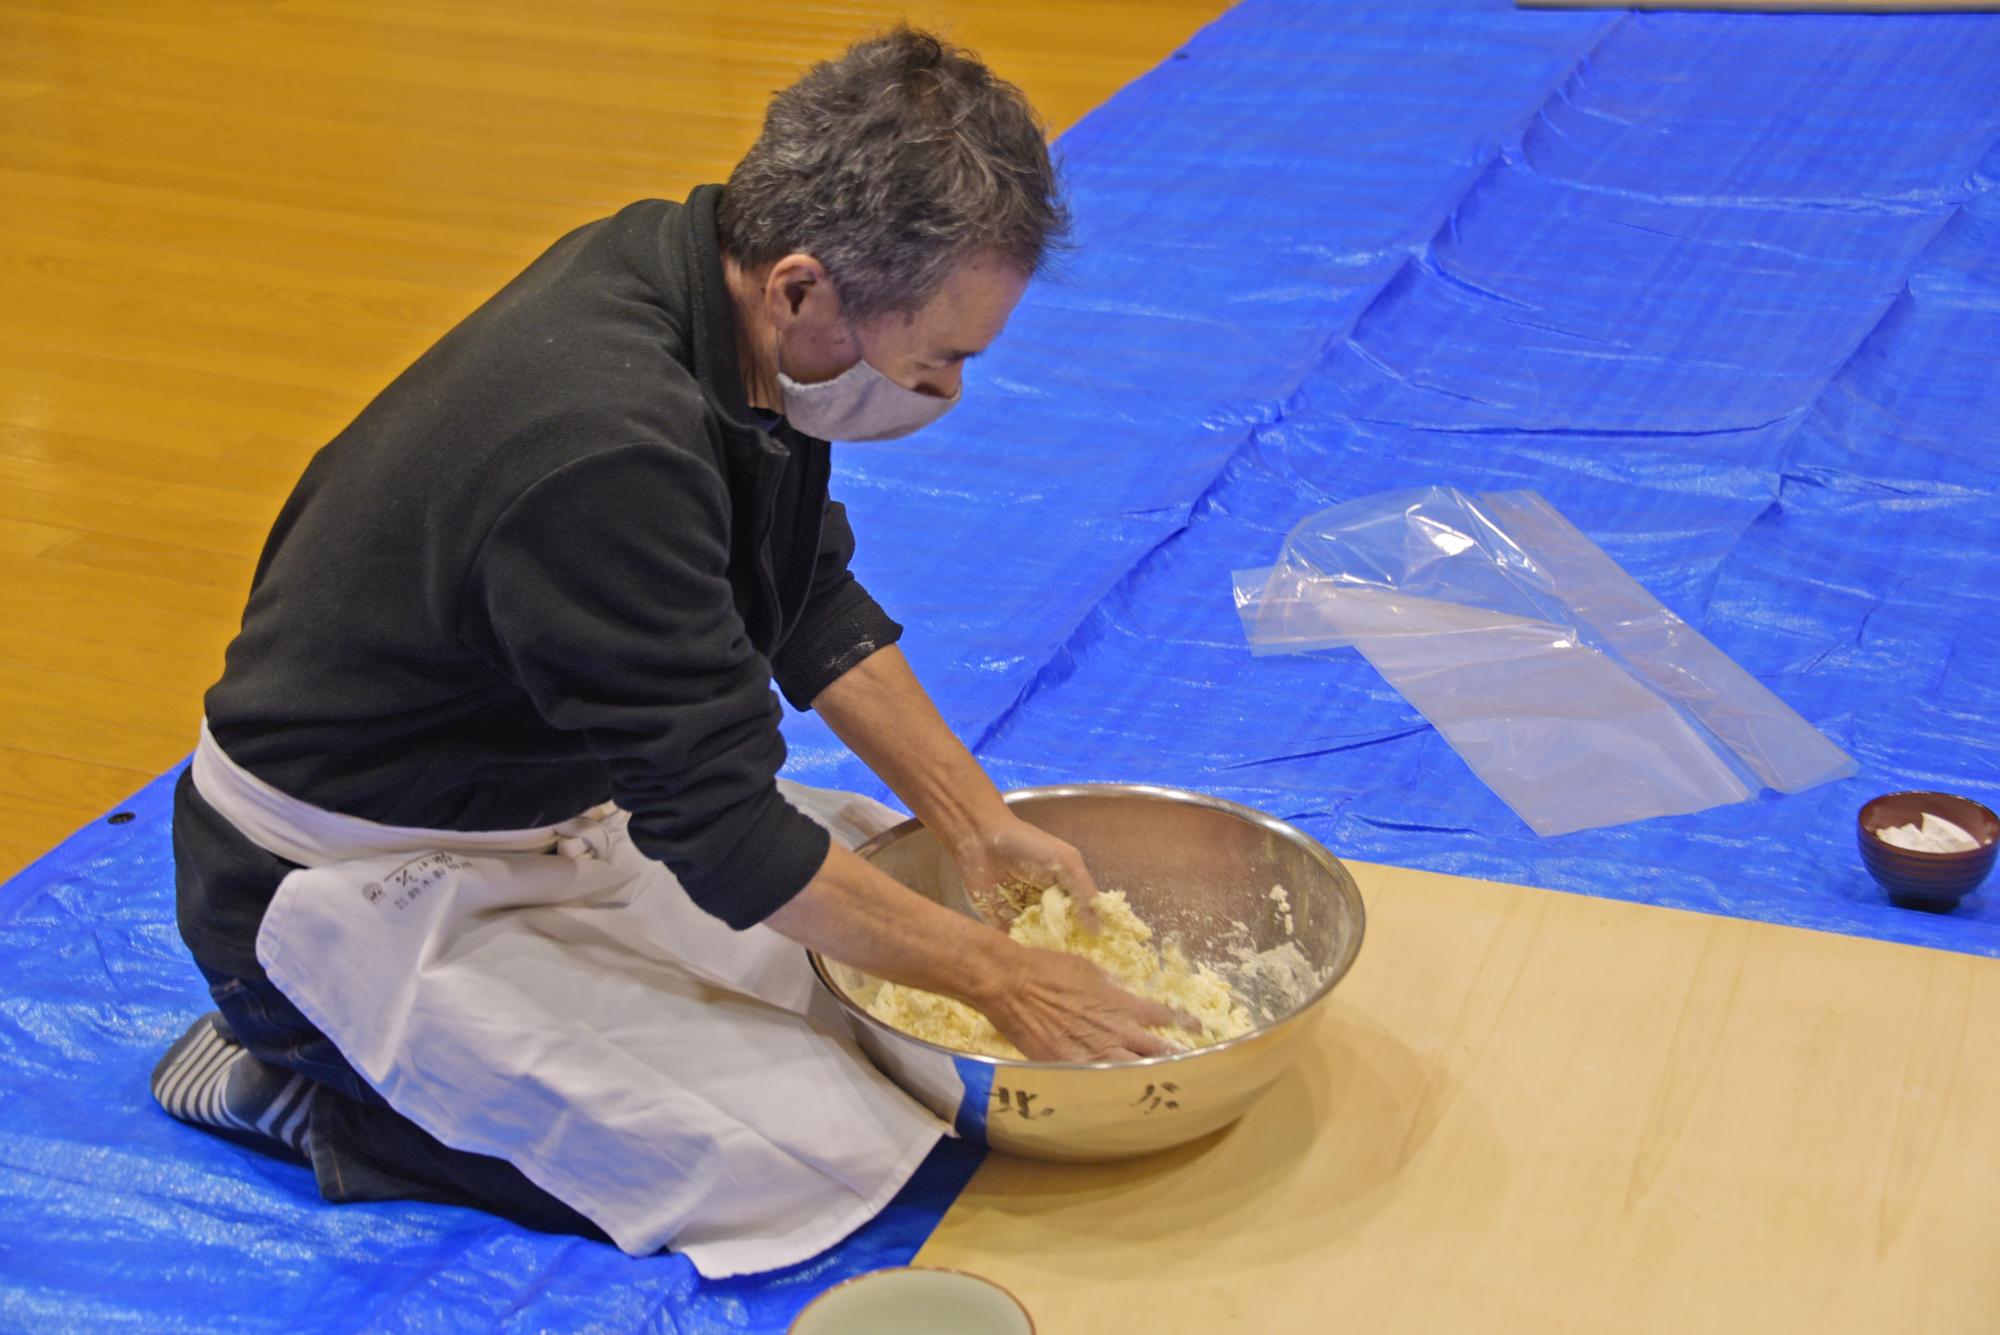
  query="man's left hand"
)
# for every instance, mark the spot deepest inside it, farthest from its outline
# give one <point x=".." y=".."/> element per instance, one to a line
<point x="1008" y="852"/>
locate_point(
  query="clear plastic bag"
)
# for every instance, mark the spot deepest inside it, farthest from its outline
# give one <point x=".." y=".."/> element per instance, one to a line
<point x="1570" y="691"/>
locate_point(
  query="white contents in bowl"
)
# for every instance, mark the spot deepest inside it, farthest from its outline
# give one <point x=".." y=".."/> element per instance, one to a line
<point x="1284" y="903"/>
<point x="1122" y="946"/>
<point x="1934" y="835"/>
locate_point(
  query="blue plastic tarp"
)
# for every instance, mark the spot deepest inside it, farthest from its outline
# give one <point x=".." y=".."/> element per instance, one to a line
<point x="1725" y="289"/>
<point x="115" y="1217"/>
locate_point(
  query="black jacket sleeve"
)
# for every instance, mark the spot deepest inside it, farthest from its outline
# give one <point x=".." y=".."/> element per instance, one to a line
<point x="603" y="591"/>
<point x="841" y="624"/>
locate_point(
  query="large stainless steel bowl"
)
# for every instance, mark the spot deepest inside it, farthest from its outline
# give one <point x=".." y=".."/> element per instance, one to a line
<point x="1198" y="869"/>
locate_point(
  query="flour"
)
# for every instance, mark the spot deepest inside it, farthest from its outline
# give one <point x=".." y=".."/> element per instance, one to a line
<point x="1935" y="835"/>
<point x="1283" y="900"/>
<point x="1122" y="946"/>
<point x="1272" y="983"/>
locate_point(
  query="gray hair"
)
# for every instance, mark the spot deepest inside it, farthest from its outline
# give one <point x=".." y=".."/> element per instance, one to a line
<point x="889" y="166"/>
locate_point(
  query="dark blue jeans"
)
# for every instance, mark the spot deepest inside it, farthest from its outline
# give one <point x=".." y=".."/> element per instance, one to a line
<point x="362" y="1149"/>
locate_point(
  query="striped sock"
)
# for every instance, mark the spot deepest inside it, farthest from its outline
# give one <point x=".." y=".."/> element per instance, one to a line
<point x="209" y="1079"/>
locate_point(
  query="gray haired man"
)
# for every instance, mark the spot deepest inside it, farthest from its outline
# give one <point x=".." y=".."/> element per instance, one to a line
<point x="560" y="561"/>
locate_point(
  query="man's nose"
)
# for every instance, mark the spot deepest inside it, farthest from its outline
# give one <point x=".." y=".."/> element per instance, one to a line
<point x="941" y="384"/>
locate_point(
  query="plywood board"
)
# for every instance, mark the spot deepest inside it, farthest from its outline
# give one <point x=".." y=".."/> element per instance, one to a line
<point x="1530" y="1111"/>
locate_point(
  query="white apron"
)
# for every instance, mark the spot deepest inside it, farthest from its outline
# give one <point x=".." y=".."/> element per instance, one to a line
<point x="554" y="998"/>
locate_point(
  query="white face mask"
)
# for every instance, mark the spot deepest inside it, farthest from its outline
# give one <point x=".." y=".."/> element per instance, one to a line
<point x="858" y="404"/>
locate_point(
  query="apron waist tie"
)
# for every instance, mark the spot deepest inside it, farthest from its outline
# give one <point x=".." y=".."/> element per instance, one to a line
<point x="297" y="831"/>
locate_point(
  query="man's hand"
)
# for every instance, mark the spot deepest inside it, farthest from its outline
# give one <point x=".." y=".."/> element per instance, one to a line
<point x="880" y="711"/>
<point x="1006" y="852"/>
<point x="1062" y="1008"/>
<point x="1054" y="1007"/>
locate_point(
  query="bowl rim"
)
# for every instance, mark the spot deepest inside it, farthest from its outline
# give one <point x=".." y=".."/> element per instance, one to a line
<point x="1872" y="838"/>
<point x="854" y="1280"/>
<point x="1313" y="848"/>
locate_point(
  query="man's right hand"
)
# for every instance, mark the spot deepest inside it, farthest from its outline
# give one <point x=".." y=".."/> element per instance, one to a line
<point x="1053" y="1007"/>
<point x="1062" y="1008"/>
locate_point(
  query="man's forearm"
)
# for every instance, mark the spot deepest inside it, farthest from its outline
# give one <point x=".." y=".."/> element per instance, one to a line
<point x="853" y="913"/>
<point x="883" y="714"/>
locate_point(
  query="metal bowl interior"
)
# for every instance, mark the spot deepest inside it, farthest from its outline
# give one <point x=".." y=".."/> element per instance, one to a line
<point x="1201" y="872"/>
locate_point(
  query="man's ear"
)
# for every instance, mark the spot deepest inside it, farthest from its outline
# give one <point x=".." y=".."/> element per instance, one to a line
<point x="792" y="280"/>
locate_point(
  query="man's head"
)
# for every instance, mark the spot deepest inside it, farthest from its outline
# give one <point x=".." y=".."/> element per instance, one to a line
<point x="893" y="209"/>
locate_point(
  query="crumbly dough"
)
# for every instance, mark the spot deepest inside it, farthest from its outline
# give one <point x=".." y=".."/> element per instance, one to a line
<point x="1123" y="946"/>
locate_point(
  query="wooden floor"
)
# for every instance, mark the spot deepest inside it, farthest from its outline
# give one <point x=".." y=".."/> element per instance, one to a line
<point x="229" y="222"/>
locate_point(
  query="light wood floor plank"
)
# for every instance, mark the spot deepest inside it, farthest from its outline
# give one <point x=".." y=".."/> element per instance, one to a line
<point x="230" y="222"/>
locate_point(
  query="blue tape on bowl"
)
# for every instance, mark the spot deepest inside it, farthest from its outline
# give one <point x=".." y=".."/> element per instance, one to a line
<point x="977" y="1077"/>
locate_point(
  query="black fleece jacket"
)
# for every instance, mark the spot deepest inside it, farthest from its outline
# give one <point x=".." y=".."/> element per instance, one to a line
<point x="559" y="560"/>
